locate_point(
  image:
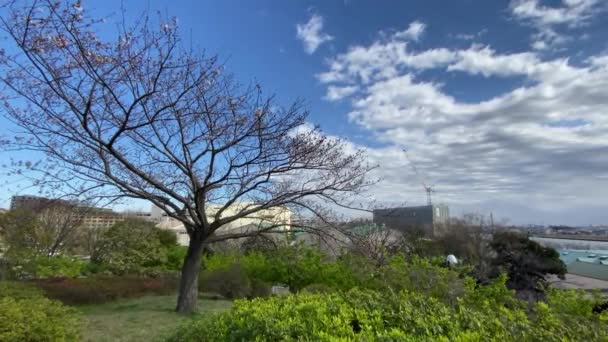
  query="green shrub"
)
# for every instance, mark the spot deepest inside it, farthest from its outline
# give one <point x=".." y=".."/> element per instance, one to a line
<point x="317" y="288"/>
<point x="405" y="316"/>
<point x="25" y="315"/>
<point x="26" y="265"/>
<point x="296" y="267"/>
<point x="60" y="266"/>
<point x="135" y="246"/>
<point x="175" y="257"/>
<point x="18" y="290"/>
<point x="421" y="276"/>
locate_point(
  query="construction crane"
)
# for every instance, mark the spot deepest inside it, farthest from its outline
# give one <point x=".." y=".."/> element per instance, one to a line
<point x="429" y="189"/>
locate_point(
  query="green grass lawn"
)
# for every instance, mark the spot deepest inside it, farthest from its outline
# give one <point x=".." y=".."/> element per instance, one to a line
<point x="140" y="319"/>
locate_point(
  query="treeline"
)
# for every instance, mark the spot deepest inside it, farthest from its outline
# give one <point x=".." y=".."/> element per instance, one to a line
<point x="53" y="243"/>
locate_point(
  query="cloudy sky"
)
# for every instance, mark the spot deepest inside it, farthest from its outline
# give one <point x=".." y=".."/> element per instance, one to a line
<point x="502" y="105"/>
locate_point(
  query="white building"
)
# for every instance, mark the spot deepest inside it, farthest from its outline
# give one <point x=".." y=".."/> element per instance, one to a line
<point x="278" y="217"/>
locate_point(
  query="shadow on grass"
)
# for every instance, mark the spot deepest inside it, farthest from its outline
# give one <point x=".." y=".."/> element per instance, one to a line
<point x="148" y="318"/>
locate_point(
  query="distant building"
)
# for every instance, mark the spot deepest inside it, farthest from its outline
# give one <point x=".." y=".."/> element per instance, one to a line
<point x="430" y="218"/>
<point x="92" y="217"/>
<point x="102" y="218"/>
<point x="35" y="203"/>
<point x="279" y="218"/>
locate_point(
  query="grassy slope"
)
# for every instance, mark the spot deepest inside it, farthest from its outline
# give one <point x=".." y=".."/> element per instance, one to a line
<point x="140" y="319"/>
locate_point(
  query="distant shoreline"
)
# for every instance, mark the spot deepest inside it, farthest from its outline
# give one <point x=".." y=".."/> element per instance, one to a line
<point x="571" y="237"/>
<point x="571" y="243"/>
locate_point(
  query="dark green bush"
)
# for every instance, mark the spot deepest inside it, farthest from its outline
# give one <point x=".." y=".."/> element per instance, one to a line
<point x="259" y="288"/>
<point x="231" y="282"/>
<point x="25" y="315"/>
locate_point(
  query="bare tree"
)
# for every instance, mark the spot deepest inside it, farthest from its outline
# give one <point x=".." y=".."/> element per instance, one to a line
<point x="48" y="231"/>
<point x="373" y="241"/>
<point x="60" y="226"/>
<point x="141" y="117"/>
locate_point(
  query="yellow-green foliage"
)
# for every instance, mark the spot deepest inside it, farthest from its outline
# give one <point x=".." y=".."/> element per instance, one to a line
<point x="25" y="315"/>
<point x="487" y="313"/>
<point x="294" y="267"/>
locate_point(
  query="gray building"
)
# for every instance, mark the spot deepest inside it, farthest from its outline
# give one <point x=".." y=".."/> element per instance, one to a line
<point x="429" y="218"/>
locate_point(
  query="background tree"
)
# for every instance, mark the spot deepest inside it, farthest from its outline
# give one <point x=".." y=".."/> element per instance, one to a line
<point x="48" y="232"/>
<point x="17" y="231"/>
<point x="138" y="116"/>
<point x="376" y="243"/>
<point x="134" y="246"/>
<point x="526" y="262"/>
<point x="39" y="243"/>
<point x="466" y="239"/>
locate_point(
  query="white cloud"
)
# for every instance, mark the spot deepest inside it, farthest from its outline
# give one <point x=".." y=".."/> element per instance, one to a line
<point x="413" y="32"/>
<point x="485" y="61"/>
<point x="337" y="93"/>
<point x="540" y="45"/>
<point x="381" y="60"/>
<point x="542" y="143"/>
<point x="311" y="33"/>
<point x="570" y="14"/>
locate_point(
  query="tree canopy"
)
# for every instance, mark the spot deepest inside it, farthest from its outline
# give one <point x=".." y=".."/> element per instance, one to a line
<point x="136" y="115"/>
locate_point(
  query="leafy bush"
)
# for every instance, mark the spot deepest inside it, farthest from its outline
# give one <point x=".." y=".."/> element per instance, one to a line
<point x="135" y="246"/>
<point x="25" y="315"/>
<point x="25" y="265"/>
<point x="317" y="288"/>
<point x="102" y="289"/>
<point x="175" y="257"/>
<point x="301" y="267"/>
<point x="60" y="266"/>
<point x="18" y="291"/>
<point x="404" y="316"/>
<point x="295" y="267"/>
<point x="421" y="276"/>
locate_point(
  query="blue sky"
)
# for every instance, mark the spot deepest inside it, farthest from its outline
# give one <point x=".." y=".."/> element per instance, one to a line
<point x="502" y="104"/>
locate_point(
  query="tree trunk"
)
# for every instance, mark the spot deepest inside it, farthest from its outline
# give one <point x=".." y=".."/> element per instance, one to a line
<point x="188" y="287"/>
